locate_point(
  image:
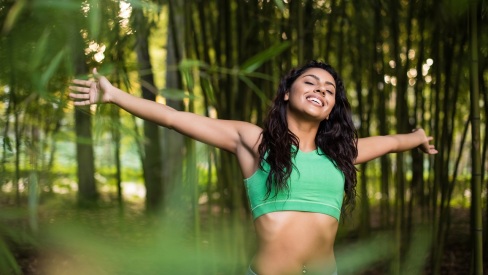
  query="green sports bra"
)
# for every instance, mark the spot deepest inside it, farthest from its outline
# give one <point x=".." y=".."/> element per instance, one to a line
<point x="317" y="187"/>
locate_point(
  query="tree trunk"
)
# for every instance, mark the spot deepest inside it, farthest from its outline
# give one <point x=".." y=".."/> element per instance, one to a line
<point x="87" y="191"/>
<point x="152" y="157"/>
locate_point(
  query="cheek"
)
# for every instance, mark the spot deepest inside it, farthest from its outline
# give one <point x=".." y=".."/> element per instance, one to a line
<point x="332" y="106"/>
<point x="332" y="101"/>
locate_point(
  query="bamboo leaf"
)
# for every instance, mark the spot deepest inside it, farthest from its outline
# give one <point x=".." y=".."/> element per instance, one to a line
<point x="255" y="88"/>
<point x="208" y="89"/>
<point x="46" y="76"/>
<point x="13" y="14"/>
<point x="186" y="64"/>
<point x="280" y="4"/>
<point x="40" y="50"/>
<point x="175" y="94"/>
<point x="8" y="264"/>
<point x="7" y="144"/>
<point x="257" y="60"/>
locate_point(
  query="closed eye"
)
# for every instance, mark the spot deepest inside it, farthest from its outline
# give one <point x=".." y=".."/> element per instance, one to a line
<point x="308" y="83"/>
<point x="330" y="92"/>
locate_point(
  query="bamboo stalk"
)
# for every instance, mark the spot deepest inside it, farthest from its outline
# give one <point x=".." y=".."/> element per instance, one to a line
<point x="476" y="225"/>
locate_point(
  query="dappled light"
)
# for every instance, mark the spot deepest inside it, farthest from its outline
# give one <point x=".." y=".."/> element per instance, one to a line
<point x="96" y="50"/>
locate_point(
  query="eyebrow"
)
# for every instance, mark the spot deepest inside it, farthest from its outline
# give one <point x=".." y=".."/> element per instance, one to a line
<point x="318" y="79"/>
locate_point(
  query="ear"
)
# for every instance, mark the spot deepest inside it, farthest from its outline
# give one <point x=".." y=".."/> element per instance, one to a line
<point x="287" y="96"/>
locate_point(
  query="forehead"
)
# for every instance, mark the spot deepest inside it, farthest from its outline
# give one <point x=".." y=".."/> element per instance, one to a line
<point x="320" y="74"/>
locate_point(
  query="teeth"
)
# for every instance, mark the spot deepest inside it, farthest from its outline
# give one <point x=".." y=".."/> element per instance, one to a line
<point x="315" y="100"/>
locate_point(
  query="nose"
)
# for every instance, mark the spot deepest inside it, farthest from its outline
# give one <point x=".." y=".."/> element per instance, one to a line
<point x="320" y="91"/>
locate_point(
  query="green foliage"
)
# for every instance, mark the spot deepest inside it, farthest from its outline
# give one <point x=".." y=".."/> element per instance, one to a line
<point x="109" y="241"/>
<point x="379" y="249"/>
<point x="94" y="19"/>
<point x="13" y="14"/>
<point x="139" y="250"/>
<point x="256" y="61"/>
<point x="13" y="235"/>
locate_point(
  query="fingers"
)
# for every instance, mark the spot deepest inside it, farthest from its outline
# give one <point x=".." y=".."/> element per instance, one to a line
<point x="81" y="103"/>
<point x="79" y="96"/>
<point x="431" y="150"/>
<point x="80" y="99"/>
<point x="80" y="89"/>
<point x="86" y="83"/>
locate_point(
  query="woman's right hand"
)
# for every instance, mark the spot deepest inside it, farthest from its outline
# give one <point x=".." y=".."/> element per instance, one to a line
<point x="86" y="92"/>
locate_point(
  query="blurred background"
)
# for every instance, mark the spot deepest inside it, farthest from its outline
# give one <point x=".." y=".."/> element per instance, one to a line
<point x="94" y="190"/>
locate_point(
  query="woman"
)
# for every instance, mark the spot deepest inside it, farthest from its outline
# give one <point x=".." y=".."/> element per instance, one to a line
<point x="298" y="168"/>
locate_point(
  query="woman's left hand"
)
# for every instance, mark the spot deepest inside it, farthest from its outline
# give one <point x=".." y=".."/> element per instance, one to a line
<point x="425" y="146"/>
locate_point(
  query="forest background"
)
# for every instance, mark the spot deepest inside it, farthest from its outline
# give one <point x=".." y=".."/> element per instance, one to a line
<point x="97" y="191"/>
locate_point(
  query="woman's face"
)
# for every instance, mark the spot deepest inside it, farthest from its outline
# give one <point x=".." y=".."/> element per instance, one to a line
<point x="312" y="95"/>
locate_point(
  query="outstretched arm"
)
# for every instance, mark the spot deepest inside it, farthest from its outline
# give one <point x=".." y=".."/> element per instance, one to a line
<point x="225" y="134"/>
<point x="373" y="147"/>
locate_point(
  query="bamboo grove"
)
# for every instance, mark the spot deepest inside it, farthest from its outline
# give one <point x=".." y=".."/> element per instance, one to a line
<point x="406" y="64"/>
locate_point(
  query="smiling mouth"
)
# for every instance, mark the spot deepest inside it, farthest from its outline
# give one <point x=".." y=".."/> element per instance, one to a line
<point x="315" y="101"/>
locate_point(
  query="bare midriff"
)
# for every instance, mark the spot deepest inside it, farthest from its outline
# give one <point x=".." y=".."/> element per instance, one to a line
<point x="291" y="242"/>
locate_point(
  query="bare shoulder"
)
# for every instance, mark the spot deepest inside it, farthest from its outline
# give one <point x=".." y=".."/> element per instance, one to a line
<point x="250" y="135"/>
<point x="247" y="150"/>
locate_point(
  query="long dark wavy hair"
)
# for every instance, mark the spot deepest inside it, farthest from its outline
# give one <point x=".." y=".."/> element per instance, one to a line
<point x="336" y="137"/>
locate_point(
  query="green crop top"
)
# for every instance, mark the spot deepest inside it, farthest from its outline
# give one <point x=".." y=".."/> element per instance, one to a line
<point x="318" y="187"/>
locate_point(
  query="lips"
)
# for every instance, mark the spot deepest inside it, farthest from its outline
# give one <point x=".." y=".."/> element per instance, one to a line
<point x="315" y="100"/>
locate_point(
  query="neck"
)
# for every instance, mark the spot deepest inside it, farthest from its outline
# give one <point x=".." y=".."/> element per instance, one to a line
<point x="306" y="132"/>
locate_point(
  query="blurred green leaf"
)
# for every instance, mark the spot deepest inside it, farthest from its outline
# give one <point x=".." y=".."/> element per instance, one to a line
<point x="94" y="17"/>
<point x="10" y="234"/>
<point x="257" y="60"/>
<point x="187" y="64"/>
<point x="13" y="14"/>
<point x="255" y="88"/>
<point x="8" y="264"/>
<point x="175" y="94"/>
<point x="186" y="68"/>
<point x="56" y="4"/>
<point x="208" y="89"/>
<point x="280" y="4"/>
<point x="365" y="253"/>
<point x="418" y="251"/>
<point x="51" y="69"/>
<point x="40" y="50"/>
<point x="7" y="143"/>
<point x="167" y="247"/>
